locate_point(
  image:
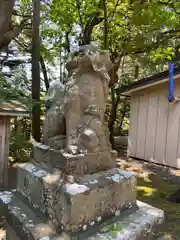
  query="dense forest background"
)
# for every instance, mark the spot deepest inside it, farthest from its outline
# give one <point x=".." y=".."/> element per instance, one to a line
<point x="143" y="36"/>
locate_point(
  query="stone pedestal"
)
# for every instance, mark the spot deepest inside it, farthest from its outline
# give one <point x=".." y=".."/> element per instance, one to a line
<point x="49" y="203"/>
<point x="73" y="190"/>
<point x="86" y="202"/>
<point x="78" y="213"/>
<point x="78" y="165"/>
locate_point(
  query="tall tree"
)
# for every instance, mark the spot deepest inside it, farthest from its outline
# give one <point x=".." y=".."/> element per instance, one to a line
<point x="36" y="111"/>
<point x="8" y="29"/>
<point x="140" y="31"/>
<point x="6" y="9"/>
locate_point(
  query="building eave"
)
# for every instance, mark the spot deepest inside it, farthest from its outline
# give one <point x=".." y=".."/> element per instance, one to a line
<point x="148" y="82"/>
<point x="14" y="113"/>
<point x="13" y="108"/>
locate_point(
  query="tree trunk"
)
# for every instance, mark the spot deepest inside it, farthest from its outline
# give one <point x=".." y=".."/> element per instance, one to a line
<point x="7" y="31"/>
<point x="136" y="71"/>
<point x="60" y="65"/>
<point x="6" y="9"/>
<point x="67" y="42"/>
<point x="115" y="100"/>
<point x="43" y="67"/>
<point x="93" y="20"/>
<point x="123" y="114"/>
<point x="113" y="113"/>
<point x="105" y="25"/>
<point x="36" y="113"/>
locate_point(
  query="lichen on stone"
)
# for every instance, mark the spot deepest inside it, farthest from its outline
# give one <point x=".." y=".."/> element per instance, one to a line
<point x="75" y="189"/>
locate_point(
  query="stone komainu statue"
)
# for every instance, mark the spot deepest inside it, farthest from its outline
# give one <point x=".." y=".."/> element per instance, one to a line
<point x="75" y="117"/>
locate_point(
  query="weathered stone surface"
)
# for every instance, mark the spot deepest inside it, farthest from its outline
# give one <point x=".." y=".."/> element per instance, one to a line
<point x="84" y="201"/>
<point x="95" y="198"/>
<point x="54" y="123"/>
<point x="39" y="187"/>
<point x="3" y="212"/>
<point x="121" y="141"/>
<point x="139" y="225"/>
<point x="27" y="224"/>
<point x="11" y="234"/>
<point x="80" y="164"/>
<point x="73" y="185"/>
<point x="75" y="115"/>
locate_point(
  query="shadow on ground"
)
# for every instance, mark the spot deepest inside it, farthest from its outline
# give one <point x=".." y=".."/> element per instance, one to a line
<point x="154" y="184"/>
<point x="153" y="189"/>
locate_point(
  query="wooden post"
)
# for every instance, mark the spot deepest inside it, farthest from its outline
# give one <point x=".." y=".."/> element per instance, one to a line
<point x="4" y="150"/>
<point x="7" y="111"/>
<point x="4" y="154"/>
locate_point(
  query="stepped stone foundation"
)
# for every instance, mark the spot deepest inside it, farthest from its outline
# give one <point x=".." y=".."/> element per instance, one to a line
<point x="72" y="189"/>
<point x="92" y="206"/>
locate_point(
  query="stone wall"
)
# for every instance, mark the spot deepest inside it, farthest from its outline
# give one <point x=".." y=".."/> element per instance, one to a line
<point x="121" y="145"/>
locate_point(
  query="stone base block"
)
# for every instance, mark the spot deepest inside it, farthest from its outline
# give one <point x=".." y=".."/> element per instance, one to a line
<point x="11" y="234"/>
<point x="25" y="223"/>
<point x="3" y="213"/>
<point x="142" y="224"/>
<point x="74" y="164"/>
<point x="89" y="200"/>
<point x="40" y="187"/>
<point x="95" y="198"/>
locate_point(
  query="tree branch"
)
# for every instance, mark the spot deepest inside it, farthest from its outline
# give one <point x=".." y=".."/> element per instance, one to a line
<point x="79" y="13"/>
<point x="43" y="66"/>
<point x="113" y="72"/>
<point x="159" y="40"/>
<point x="25" y="48"/>
<point x="105" y="25"/>
<point x="171" y="4"/>
<point x="67" y="42"/>
<point x="114" y="11"/>
<point x="44" y="71"/>
<point x="12" y="34"/>
<point x="93" y="20"/>
<point x="6" y="9"/>
<point x="15" y="12"/>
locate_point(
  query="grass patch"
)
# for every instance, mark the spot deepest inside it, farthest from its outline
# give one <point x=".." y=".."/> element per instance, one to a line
<point x="154" y="190"/>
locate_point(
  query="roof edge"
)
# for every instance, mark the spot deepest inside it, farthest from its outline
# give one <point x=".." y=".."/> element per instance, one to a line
<point x="15" y="113"/>
<point x="148" y="82"/>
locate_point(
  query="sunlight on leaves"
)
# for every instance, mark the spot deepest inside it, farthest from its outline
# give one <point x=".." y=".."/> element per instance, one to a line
<point x="148" y="191"/>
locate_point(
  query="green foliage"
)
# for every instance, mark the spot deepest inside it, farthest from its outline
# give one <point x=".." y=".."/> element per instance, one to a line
<point x="20" y="146"/>
<point x="140" y="33"/>
<point x="161" y="53"/>
<point x="113" y="229"/>
<point x="16" y="87"/>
